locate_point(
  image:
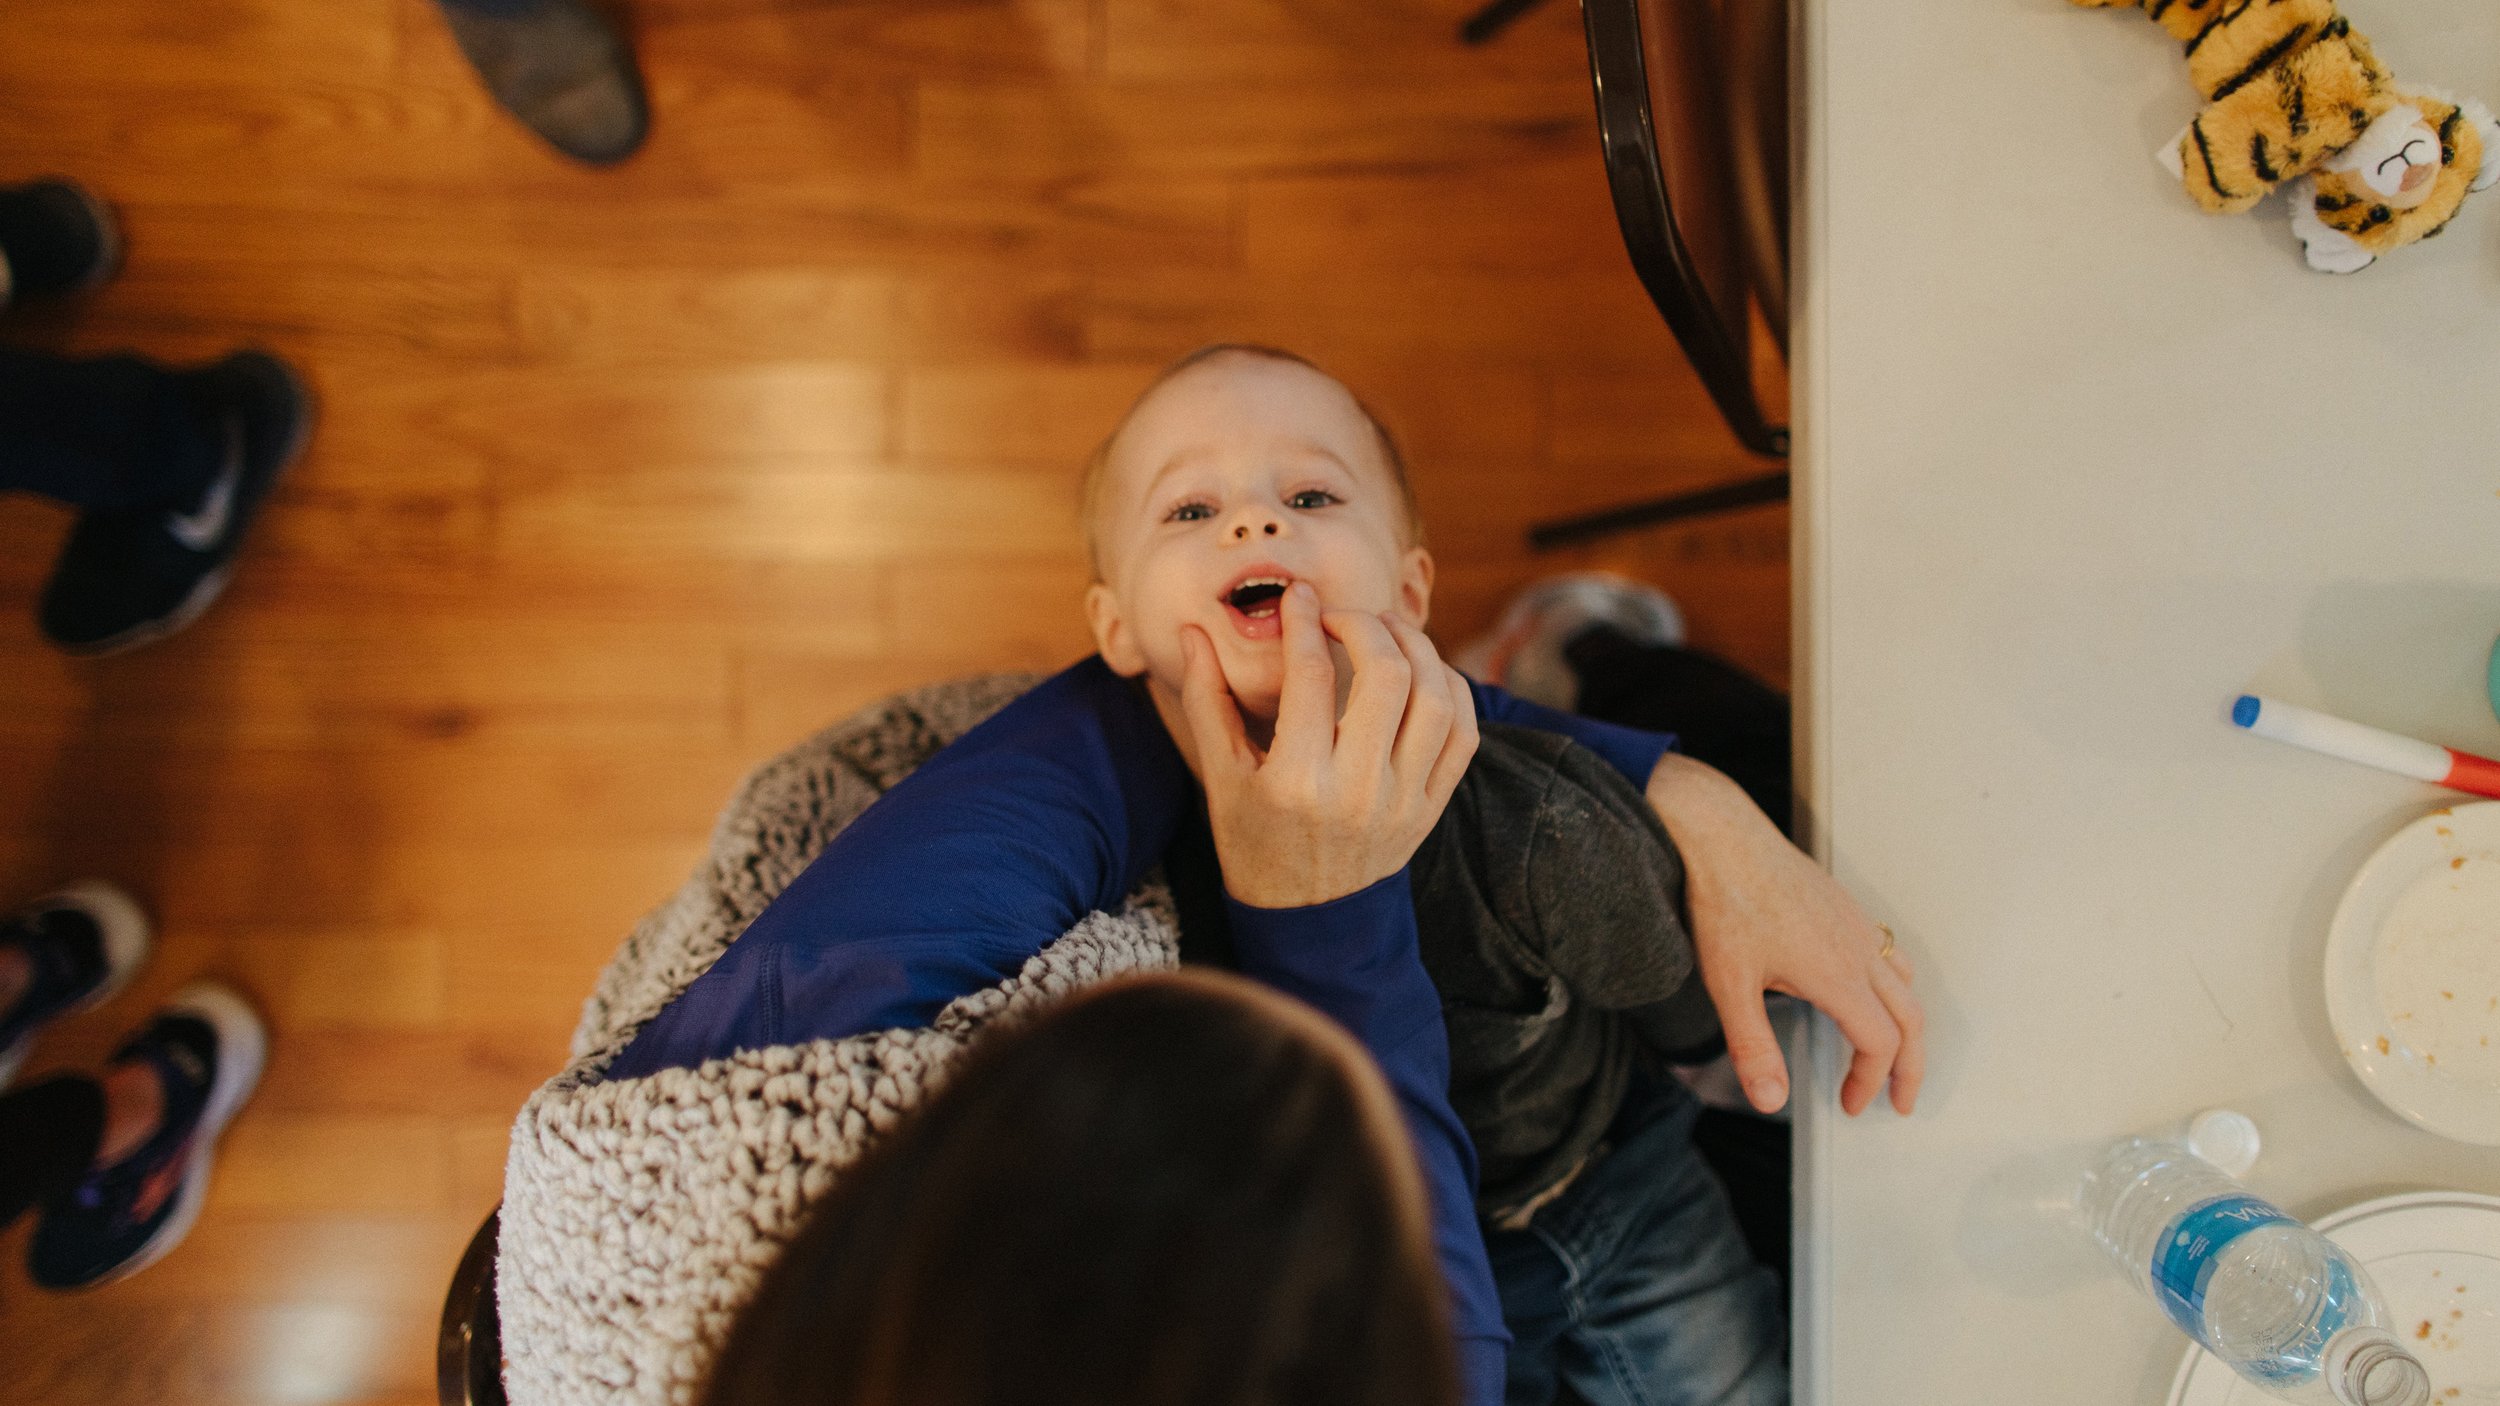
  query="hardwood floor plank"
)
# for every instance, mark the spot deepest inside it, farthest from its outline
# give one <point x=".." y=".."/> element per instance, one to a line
<point x="143" y="45"/>
<point x="344" y="1163"/>
<point x="1575" y="320"/>
<point x="1253" y="42"/>
<point x="776" y="41"/>
<point x="1027" y="131"/>
<point x="1472" y="217"/>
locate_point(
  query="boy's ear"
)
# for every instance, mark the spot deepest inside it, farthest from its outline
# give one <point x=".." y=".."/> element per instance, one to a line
<point x="1112" y="637"/>
<point x="1415" y="587"/>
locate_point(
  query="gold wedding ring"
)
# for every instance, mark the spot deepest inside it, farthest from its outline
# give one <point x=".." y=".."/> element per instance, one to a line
<point x="1884" y="951"/>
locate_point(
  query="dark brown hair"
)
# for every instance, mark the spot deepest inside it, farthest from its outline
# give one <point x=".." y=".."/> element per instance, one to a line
<point x="1089" y="493"/>
<point x="1173" y="1191"/>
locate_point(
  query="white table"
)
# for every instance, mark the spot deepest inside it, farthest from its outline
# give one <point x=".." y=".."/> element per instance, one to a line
<point x="2078" y="464"/>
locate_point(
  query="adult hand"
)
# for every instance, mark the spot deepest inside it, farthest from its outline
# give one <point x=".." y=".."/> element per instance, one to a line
<point x="1767" y="918"/>
<point x="1332" y="805"/>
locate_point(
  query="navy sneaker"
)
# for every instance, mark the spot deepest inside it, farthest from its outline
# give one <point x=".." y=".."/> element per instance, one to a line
<point x="131" y="576"/>
<point x="207" y="1047"/>
<point x="54" y="238"/>
<point x="83" y="943"/>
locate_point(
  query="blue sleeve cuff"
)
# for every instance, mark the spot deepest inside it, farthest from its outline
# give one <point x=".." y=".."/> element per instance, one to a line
<point x="1354" y="958"/>
<point x="1483" y="1370"/>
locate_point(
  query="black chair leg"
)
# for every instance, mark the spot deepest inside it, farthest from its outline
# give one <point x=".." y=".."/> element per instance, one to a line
<point x="1744" y="493"/>
<point x="1493" y="19"/>
<point x="468" y="1351"/>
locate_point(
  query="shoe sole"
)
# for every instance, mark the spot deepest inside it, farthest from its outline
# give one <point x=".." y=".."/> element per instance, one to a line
<point x="126" y="934"/>
<point x="242" y="1052"/>
<point x="207" y="589"/>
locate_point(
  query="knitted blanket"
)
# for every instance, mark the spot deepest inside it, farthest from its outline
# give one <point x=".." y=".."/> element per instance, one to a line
<point x="639" y="1214"/>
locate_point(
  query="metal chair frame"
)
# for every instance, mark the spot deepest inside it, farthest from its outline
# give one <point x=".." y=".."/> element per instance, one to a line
<point x="468" y="1351"/>
<point x="1636" y="179"/>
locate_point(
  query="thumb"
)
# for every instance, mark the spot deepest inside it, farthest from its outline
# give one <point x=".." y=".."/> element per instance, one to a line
<point x="1214" y="718"/>
<point x="1751" y="1046"/>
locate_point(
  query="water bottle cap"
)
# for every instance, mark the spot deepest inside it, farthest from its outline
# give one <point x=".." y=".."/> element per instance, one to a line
<point x="2228" y="1140"/>
<point x="2368" y="1367"/>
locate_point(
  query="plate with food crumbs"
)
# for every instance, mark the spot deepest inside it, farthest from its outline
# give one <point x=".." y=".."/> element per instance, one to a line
<point x="2435" y="1256"/>
<point x="2413" y="972"/>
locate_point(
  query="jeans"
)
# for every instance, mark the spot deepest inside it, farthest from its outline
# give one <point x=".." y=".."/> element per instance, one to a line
<point x="106" y="433"/>
<point x="1635" y="1287"/>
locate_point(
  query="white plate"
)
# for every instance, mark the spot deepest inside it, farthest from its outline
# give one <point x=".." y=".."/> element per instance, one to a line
<point x="2413" y="972"/>
<point x="2436" y="1256"/>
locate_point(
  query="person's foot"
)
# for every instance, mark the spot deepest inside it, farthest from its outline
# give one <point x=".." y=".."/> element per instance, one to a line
<point x="55" y="238"/>
<point x="1524" y="651"/>
<point x="206" y="1047"/>
<point x="562" y="68"/>
<point x="64" y="954"/>
<point x="132" y="576"/>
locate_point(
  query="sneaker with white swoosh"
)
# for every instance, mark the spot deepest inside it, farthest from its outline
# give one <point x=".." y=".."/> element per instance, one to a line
<point x="131" y="576"/>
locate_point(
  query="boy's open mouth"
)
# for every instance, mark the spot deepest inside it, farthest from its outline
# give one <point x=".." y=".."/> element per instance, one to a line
<point x="1256" y="601"/>
<point x="1257" y="598"/>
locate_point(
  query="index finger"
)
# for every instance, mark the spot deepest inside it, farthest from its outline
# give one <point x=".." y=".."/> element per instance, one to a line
<point x="1306" y="702"/>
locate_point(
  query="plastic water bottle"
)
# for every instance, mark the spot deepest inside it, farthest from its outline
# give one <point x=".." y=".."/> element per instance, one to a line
<point x="2282" y="1304"/>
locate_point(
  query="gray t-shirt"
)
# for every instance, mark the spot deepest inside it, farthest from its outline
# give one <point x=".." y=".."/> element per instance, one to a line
<point x="1550" y="904"/>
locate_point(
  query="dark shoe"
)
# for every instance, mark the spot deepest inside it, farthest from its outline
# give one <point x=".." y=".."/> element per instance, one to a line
<point x="560" y="67"/>
<point x="207" y="1047"/>
<point x="54" y="238"/>
<point x="132" y="576"/>
<point x="83" y="942"/>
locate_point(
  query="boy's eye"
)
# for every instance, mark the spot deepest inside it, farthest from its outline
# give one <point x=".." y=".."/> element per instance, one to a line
<point x="1191" y="512"/>
<point x="1311" y="498"/>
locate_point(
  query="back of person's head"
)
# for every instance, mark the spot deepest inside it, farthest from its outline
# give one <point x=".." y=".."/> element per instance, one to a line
<point x="1175" y="1189"/>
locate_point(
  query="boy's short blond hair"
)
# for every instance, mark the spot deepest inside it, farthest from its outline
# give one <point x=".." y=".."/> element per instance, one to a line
<point x="1090" y="495"/>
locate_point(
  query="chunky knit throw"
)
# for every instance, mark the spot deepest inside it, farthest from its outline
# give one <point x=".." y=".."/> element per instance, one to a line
<point x="639" y="1214"/>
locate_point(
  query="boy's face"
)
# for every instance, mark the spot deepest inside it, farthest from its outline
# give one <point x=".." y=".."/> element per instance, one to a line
<point x="1230" y="481"/>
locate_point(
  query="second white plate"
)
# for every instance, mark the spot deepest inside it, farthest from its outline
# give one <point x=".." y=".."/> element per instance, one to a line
<point x="2436" y="1256"/>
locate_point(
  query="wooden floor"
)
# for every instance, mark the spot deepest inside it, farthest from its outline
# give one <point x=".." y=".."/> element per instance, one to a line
<point x="628" y="479"/>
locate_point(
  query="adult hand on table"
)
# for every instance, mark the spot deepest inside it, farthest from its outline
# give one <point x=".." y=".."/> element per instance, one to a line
<point x="1333" y="804"/>
<point x="1767" y="918"/>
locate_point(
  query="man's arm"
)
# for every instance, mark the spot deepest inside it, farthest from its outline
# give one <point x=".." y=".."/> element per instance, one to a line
<point x="1768" y="918"/>
<point x="1765" y="917"/>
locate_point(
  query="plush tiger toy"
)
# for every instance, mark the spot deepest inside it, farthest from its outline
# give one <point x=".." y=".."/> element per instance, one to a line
<point x="2293" y="95"/>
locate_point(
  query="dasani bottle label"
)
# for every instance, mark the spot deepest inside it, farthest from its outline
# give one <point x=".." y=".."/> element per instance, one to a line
<point x="2183" y="1269"/>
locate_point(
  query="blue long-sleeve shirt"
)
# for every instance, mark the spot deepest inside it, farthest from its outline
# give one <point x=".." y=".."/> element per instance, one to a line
<point x="1053" y="808"/>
